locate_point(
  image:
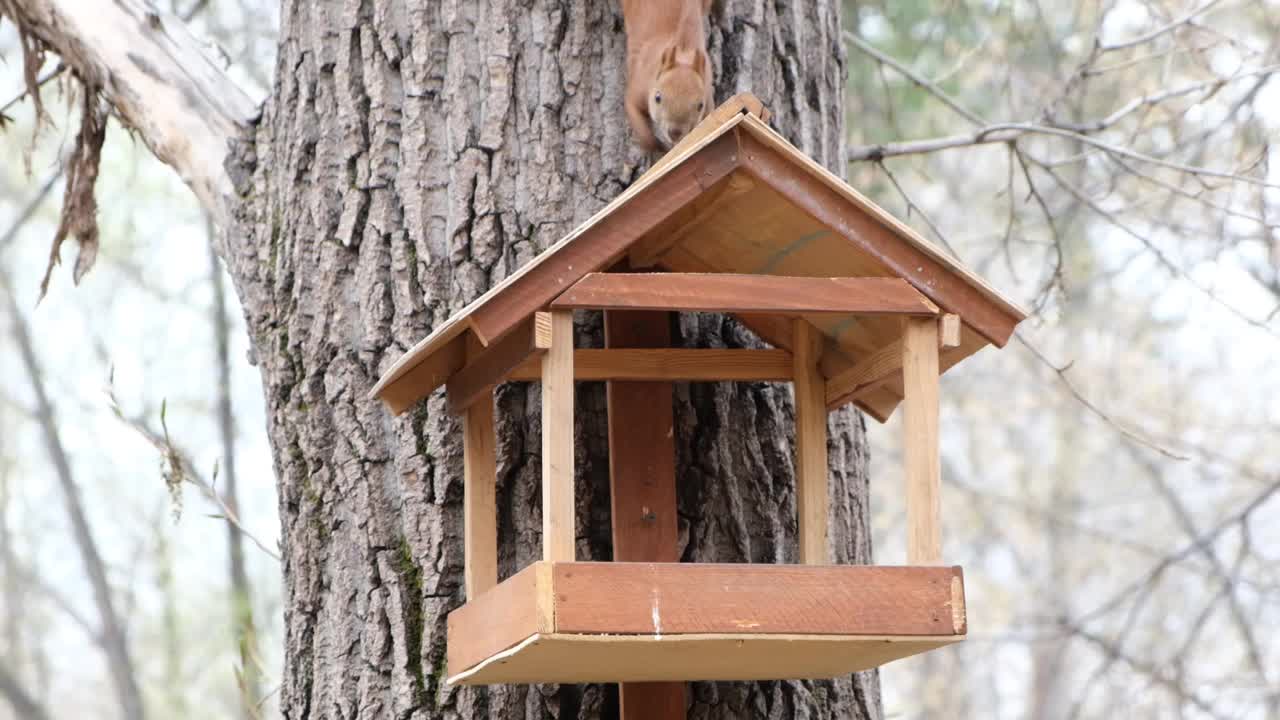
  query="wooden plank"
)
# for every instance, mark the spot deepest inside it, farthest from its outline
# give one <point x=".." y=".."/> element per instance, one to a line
<point x="499" y="618"/>
<point x="680" y="598"/>
<point x="722" y="292"/>
<point x="811" y="444"/>
<point x="885" y="365"/>
<point x="641" y="448"/>
<point x="569" y="658"/>
<point x="557" y="441"/>
<point x="491" y="366"/>
<point x="941" y="281"/>
<point x="423" y="377"/>
<point x="921" y="461"/>
<point x="670" y="365"/>
<point x="642" y="485"/>
<point x="652" y="700"/>
<point x="603" y="243"/>
<point x="949" y="336"/>
<point x="479" y="506"/>
<point x="648" y="251"/>
<point x="868" y="374"/>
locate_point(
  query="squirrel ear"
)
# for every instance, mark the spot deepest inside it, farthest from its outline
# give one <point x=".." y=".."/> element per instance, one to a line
<point x="668" y="58"/>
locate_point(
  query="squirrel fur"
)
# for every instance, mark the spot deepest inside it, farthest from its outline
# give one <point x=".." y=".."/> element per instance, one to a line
<point x="668" y="69"/>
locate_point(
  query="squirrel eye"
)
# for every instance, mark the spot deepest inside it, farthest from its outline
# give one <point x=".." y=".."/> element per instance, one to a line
<point x="700" y="107"/>
<point x="657" y="97"/>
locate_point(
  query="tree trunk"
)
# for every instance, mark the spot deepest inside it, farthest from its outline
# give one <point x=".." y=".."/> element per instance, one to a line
<point x="411" y="156"/>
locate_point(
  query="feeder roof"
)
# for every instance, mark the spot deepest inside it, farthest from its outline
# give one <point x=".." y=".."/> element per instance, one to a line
<point x="733" y="197"/>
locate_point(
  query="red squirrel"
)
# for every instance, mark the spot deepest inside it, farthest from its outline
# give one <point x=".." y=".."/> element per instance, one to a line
<point x="668" y="69"/>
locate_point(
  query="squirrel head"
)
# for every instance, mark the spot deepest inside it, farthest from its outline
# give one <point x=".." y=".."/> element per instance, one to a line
<point x="679" y="97"/>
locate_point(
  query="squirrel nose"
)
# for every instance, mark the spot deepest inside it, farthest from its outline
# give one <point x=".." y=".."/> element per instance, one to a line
<point x="676" y="134"/>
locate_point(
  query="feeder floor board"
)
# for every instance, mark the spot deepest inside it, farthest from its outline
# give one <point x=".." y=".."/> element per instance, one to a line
<point x="639" y="622"/>
<point x="574" y="658"/>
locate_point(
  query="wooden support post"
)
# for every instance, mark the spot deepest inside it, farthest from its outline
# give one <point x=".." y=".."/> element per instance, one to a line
<point x="920" y="441"/>
<point x="557" y="441"/>
<point x="479" y="511"/>
<point x="811" y="443"/>
<point x="479" y="483"/>
<point x="642" y="485"/>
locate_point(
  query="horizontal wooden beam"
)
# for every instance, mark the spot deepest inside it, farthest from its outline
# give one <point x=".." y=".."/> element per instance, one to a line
<point x="670" y="365"/>
<point x="637" y="605"/>
<point x="604" y="597"/>
<point x="722" y="292"/>
<point x="492" y="365"/>
<point x="866" y="375"/>
<point x="884" y="365"/>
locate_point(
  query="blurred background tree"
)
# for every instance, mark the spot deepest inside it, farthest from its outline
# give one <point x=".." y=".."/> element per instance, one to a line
<point x="1110" y="480"/>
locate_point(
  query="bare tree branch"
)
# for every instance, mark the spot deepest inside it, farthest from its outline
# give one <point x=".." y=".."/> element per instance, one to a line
<point x="157" y="79"/>
<point x="115" y="643"/>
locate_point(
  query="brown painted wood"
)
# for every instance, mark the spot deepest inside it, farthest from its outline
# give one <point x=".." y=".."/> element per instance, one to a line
<point x="642" y="485"/>
<point x="649" y="250"/>
<point x="929" y="276"/>
<point x="426" y="376"/>
<point x="641" y="448"/>
<point x="605" y="242"/>
<point x="677" y="598"/>
<point x="811" y="444"/>
<point x="670" y="365"/>
<point x="491" y="365"/>
<point x="500" y="618"/>
<point x="722" y="292"/>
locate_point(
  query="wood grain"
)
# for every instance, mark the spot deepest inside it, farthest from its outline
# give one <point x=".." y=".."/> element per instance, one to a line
<point x="604" y="242"/>
<point x="420" y="380"/>
<point x="655" y="244"/>
<point x="568" y="658"/>
<point x="670" y="365"/>
<point x="873" y="236"/>
<point x="679" y="598"/>
<point x="866" y="375"/>
<point x="642" y="484"/>
<point x="949" y="334"/>
<point x="723" y="292"/>
<point x="811" y="444"/>
<point x="921" y="460"/>
<point x="558" y="536"/>
<point x="479" y="507"/>
<point x="498" y="618"/>
<point x="490" y="366"/>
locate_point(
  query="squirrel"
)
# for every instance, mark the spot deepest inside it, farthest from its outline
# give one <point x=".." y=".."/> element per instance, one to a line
<point x="668" y="69"/>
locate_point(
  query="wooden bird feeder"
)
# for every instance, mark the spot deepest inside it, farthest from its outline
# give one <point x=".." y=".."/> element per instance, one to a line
<point x="858" y="309"/>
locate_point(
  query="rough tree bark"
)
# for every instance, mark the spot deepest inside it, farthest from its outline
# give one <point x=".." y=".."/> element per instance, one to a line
<point x="410" y="156"/>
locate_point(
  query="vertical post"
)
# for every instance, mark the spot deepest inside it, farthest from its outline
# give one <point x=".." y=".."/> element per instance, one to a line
<point x="480" y="477"/>
<point x="920" y="441"/>
<point x="642" y="485"/>
<point x="557" y="441"/>
<point x="811" y="442"/>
